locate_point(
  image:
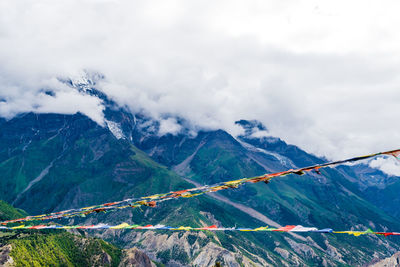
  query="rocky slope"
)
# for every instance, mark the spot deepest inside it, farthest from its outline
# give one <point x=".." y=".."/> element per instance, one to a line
<point x="134" y="257"/>
<point x="393" y="261"/>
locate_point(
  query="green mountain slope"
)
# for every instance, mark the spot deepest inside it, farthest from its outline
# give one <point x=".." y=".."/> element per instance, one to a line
<point x="52" y="248"/>
<point x="81" y="164"/>
<point x="7" y="212"/>
<point x="61" y="249"/>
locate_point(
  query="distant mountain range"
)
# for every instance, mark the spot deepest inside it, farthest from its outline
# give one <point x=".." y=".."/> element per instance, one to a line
<point x="51" y="162"/>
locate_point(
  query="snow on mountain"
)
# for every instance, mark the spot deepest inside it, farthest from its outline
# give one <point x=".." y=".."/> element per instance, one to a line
<point x="115" y="129"/>
<point x="282" y="159"/>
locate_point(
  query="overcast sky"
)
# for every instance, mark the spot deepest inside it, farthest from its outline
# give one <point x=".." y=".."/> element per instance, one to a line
<point x="319" y="74"/>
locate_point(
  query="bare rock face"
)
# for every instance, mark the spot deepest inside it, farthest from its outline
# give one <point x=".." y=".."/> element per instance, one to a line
<point x="102" y="259"/>
<point x="192" y="250"/>
<point x="393" y="261"/>
<point x="134" y="257"/>
<point x="5" y="259"/>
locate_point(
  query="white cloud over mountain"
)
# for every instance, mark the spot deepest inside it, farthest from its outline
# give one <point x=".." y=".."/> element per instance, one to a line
<point x="320" y="74"/>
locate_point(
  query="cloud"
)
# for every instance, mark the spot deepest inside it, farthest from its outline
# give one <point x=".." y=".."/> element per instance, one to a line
<point x="319" y="74"/>
<point x="387" y="165"/>
<point x="169" y="125"/>
<point x="64" y="100"/>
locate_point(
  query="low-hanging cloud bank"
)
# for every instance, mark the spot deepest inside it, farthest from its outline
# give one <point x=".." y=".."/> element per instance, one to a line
<point x="319" y="74"/>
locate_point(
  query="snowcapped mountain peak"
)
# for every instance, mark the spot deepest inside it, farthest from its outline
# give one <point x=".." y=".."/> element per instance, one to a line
<point x="85" y="81"/>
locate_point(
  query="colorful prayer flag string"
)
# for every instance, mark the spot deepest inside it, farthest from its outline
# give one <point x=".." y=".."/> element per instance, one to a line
<point x="126" y="226"/>
<point x="151" y="201"/>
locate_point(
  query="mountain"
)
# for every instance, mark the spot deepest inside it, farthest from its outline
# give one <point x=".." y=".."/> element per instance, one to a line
<point x="72" y="161"/>
<point x="377" y="187"/>
<point x="51" y="162"/>
<point x="213" y="156"/>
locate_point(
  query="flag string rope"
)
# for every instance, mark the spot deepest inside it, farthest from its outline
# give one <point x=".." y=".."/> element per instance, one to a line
<point x="152" y="200"/>
<point x="124" y="226"/>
